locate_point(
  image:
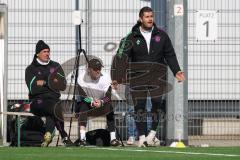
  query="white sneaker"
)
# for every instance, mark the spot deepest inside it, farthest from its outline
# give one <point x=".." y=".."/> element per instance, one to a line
<point x="131" y="140"/>
<point x="142" y="142"/>
<point x="153" y="141"/>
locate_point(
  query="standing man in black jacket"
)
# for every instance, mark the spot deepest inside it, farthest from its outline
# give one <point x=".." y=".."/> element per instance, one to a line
<point x="45" y="79"/>
<point x="145" y="44"/>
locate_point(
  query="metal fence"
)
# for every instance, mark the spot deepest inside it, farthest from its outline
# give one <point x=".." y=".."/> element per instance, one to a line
<point x="105" y="22"/>
<point x="213" y="66"/>
<point x="213" y="76"/>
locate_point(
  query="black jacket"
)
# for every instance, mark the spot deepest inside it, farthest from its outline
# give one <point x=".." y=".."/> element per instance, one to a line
<point x="51" y="73"/>
<point x="133" y="48"/>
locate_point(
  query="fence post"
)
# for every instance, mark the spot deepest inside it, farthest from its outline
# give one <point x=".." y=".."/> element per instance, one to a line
<point x="3" y="71"/>
<point x="177" y="103"/>
<point x="159" y="8"/>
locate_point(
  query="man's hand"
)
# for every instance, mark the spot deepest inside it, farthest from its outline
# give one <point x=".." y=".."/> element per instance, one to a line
<point x="55" y="80"/>
<point x="40" y="82"/>
<point x="97" y="103"/>
<point x="180" y="76"/>
<point x="114" y="84"/>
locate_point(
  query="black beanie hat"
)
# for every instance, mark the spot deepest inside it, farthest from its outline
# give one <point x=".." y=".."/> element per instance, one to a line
<point x="41" y="45"/>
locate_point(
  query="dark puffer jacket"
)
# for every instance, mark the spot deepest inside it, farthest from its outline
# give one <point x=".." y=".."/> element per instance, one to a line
<point x="52" y="74"/>
<point x="133" y="48"/>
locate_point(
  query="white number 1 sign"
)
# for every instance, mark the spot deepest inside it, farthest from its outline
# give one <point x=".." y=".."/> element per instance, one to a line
<point x="206" y="25"/>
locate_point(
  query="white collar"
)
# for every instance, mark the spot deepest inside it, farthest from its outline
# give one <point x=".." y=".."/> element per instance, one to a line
<point x="42" y="63"/>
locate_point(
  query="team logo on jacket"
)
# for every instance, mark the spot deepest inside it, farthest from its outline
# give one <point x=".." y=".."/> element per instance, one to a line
<point x="39" y="101"/>
<point x="157" y="38"/>
<point x="138" y="42"/>
<point x="52" y="70"/>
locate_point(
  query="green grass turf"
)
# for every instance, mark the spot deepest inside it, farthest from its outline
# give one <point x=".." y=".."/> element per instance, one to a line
<point x="79" y="153"/>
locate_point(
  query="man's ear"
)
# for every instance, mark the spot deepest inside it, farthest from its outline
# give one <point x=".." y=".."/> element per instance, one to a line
<point x="140" y="19"/>
<point x="37" y="55"/>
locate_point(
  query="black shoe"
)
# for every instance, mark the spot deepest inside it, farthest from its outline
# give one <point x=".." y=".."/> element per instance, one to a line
<point x="163" y="143"/>
<point x="79" y="142"/>
<point x="67" y="142"/>
<point x="115" y="142"/>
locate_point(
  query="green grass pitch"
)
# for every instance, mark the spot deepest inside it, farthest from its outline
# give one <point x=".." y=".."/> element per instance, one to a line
<point x="119" y="153"/>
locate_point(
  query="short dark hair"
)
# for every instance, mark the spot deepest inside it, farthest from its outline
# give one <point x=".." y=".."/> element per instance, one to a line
<point x="144" y="9"/>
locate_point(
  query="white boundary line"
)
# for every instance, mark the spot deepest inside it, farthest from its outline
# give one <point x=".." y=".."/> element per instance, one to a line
<point x="175" y="152"/>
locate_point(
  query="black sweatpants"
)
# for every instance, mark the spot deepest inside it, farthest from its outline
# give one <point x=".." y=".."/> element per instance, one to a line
<point x="141" y="112"/>
<point x="52" y="110"/>
<point x="84" y="107"/>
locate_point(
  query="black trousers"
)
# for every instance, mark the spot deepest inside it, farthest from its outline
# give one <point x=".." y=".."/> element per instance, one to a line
<point x="140" y="116"/>
<point x="84" y="107"/>
<point x="52" y="110"/>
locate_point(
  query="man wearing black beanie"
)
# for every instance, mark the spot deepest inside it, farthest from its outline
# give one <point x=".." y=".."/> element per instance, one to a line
<point x="41" y="45"/>
<point x="45" y="79"/>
